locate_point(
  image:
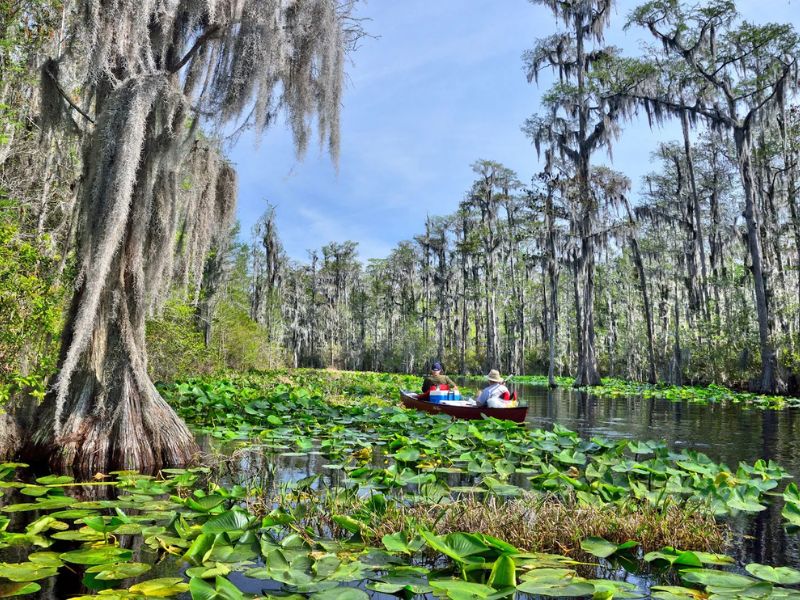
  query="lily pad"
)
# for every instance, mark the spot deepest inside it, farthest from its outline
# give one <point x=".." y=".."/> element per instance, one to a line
<point x="115" y="571"/>
<point x="163" y="587"/>
<point x="96" y="556"/>
<point x="602" y="548"/>
<point x="780" y="575"/>
<point x="26" y="571"/>
<point x="9" y="589"/>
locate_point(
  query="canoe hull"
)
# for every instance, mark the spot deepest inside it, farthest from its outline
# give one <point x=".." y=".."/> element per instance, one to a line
<point x="465" y="412"/>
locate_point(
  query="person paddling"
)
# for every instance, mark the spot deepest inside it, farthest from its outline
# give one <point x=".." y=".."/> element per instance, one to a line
<point x="496" y="394"/>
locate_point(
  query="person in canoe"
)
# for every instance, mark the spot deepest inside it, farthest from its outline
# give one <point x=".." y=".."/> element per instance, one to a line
<point x="437" y="386"/>
<point x="496" y="394"/>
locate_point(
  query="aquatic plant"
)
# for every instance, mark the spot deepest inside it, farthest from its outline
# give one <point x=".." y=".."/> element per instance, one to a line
<point x="113" y="540"/>
<point x="489" y="457"/>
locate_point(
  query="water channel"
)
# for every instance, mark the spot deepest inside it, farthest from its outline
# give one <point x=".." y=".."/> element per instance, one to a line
<point x="726" y="433"/>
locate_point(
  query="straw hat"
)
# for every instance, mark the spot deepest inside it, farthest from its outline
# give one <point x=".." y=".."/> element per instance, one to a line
<point x="494" y="376"/>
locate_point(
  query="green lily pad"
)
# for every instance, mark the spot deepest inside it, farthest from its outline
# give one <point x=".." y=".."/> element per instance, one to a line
<point x="49" y="559"/>
<point x="780" y="575"/>
<point x="458" y="589"/>
<point x="55" y="479"/>
<point x="341" y="593"/>
<point x="84" y="534"/>
<point x="229" y="520"/>
<point x="26" y="571"/>
<point x="602" y="548"/>
<point x="115" y="571"/>
<point x="713" y="577"/>
<point x="9" y="589"/>
<point x="163" y="587"/>
<point x="96" y="556"/>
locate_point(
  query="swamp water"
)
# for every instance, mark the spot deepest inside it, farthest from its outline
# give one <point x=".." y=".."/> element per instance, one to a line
<point x="728" y="434"/>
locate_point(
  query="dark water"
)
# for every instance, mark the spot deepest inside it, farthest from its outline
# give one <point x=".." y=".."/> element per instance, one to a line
<point x="727" y="434"/>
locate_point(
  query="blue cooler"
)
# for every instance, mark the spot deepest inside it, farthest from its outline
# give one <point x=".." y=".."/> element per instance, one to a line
<point x="436" y="395"/>
<point x="441" y="393"/>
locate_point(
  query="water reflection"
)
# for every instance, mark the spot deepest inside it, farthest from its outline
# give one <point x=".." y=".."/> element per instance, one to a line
<point x="728" y="434"/>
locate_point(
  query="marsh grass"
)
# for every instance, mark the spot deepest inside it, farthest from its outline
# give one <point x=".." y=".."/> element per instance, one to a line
<point x="534" y="523"/>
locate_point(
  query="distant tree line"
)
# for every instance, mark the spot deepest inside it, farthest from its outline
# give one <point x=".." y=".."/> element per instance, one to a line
<point x="689" y="275"/>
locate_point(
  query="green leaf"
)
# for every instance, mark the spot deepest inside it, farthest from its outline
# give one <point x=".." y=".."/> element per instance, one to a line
<point x="341" y="593"/>
<point x="791" y="512"/>
<point x="115" y="571"/>
<point x="458" y="589"/>
<point x="9" y="589"/>
<point x="205" y="503"/>
<point x="396" y="542"/>
<point x="780" y="575"/>
<point x="716" y="578"/>
<point x="792" y="493"/>
<point x="205" y="572"/>
<point x="503" y="573"/>
<point x="566" y="589"/>
<point x="407" y="454"/>
<point x="221" y="590"/>
<point x="200" y="547"/>
<point x="465" y="544"/>
<point x="49" y="559"/>
<point x="674" y="557"/>
<point x="675" y="592"/>
<point x="84" y="534"/>
<point x="163" y="587"/>
<point x="96" y="556"/>
<point x="228" y="521"/>
<point x="602" y="548"/>
<point x="55" y="479"/>
<point x="26" y="571"/>
<point x="348" y="523"/>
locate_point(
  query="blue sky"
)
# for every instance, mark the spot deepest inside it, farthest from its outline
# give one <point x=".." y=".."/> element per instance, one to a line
<point x="441" y="87"/>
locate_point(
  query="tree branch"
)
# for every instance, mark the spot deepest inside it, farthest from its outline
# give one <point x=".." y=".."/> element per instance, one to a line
<point x="208" y="34"/>
<point x="66" y="96"/>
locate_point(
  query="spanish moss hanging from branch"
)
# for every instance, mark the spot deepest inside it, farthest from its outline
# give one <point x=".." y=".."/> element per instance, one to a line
<point x="156" y="194"/>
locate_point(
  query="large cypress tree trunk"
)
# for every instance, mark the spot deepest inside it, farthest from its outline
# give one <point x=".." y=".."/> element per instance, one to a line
<point x="104" y="413"/>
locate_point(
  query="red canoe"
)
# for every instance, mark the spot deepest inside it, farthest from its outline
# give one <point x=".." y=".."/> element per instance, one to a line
<point x="465" y="412"/>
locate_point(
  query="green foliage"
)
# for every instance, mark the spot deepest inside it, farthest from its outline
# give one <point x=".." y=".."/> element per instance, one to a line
<point x="712" y="394"/>
<point x="175" y="346"/>
<point x="194" y="515"/>
<point x="223" y="539"/>
<point x="30" y="309"/>
<point x="300" y="411"/>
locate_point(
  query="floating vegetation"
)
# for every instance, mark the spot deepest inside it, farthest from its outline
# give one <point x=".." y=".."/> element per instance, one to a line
<point x="116" y="538"/>
<point x="385" y="448"/>
<point x="399" y="502"/>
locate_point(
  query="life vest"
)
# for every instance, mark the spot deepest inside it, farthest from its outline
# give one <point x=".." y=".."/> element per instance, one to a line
<point x="504" y="400"/>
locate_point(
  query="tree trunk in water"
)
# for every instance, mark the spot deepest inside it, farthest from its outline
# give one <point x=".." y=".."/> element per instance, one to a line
<point x="104" y="413"/>
<point x="114" y="417"/>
